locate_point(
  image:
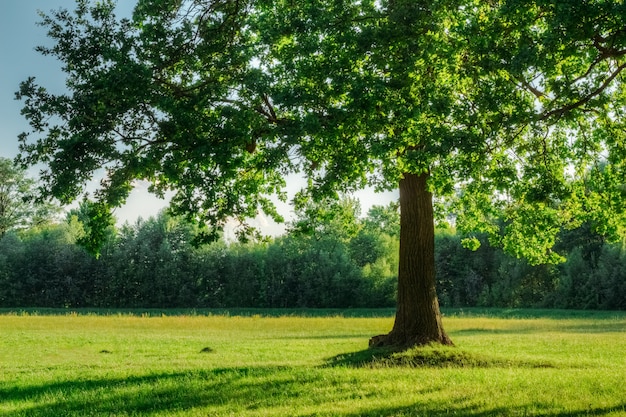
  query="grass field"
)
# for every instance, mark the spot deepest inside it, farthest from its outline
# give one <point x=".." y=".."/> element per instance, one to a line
<point x="505" y="363"/>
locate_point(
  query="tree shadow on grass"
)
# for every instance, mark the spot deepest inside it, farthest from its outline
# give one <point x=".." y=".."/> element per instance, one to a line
<point x="156" y="393"/>
<point x="427" y="357"/>
<point x="235" y="391"/>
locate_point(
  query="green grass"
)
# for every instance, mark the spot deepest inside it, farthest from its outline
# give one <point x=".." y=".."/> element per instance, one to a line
<point x="505" y="363"/>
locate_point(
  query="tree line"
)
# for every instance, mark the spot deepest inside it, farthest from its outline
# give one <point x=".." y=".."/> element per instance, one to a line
<point x="330" y="257"/>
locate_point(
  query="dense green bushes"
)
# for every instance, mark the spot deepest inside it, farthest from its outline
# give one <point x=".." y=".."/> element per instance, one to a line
<point x="592" y="277"/>
<point x="152" y="264"/>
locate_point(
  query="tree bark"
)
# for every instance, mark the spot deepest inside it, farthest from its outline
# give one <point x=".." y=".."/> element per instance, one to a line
<point x="418" y="318"/>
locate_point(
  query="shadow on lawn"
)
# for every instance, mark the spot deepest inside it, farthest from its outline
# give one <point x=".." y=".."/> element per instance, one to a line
<point x="234" y="391"/>
<point x="155" y="393"/>
<point x="428" y="357"/>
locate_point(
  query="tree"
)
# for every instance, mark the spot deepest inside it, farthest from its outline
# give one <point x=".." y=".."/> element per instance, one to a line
<point x="336" y="218"/>
<point x="151" y="265"/>
<point x="97" y="224"/>
<point x="17" y="205"/>
<point x="383" y="219"/>
<point x="508" y="104"/>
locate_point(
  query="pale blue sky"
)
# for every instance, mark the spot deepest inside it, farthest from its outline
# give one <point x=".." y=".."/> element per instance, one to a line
<point x="19" y="35"/>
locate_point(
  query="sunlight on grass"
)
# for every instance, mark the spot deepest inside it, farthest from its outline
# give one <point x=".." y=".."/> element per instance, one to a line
<point x="123" y="365"/>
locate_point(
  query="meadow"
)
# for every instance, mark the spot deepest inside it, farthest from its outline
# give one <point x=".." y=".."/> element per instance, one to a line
<point x="505" y="363"/>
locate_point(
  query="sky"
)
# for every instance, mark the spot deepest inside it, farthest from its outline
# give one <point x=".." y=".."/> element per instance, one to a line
<point x="19" y="35"/>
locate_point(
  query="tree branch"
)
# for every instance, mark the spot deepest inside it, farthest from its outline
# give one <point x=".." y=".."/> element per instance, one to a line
<point x="584" y="100"/>
<point x="536" y="92"/>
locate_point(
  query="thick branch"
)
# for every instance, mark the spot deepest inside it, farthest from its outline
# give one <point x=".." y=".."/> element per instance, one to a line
<point x="584" y="100"/>
<point x="536" y="92"/>
<point x="599" y="42"/>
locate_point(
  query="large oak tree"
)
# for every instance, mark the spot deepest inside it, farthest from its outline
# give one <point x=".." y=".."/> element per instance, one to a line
<point x="506" y="114"/>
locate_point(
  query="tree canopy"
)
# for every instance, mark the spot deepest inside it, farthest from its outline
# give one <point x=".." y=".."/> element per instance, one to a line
<point x="498" y="110"/>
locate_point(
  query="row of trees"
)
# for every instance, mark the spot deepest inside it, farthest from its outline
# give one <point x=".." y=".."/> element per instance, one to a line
<point x="335" y="259"/>
<point x="154" y="263"/>
<point x="592" y="277"/>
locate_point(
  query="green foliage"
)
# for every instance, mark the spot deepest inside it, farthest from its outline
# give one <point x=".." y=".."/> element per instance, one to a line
<point x="384" y="219"/>
<point x="561" y="67"/>
<point x="154" y="95"/>
<point x="97" y="223"/>
<point x="596" y="283"/>
<point x="509" y="107"/>
<point x="18" y="208"/>
<point x="154" y="264"/>
<point x="327" y="217"/>
<point x="43" y="267"/>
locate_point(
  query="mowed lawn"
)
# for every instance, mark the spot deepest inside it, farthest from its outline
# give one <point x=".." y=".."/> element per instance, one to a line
<point x="546" y="364"/>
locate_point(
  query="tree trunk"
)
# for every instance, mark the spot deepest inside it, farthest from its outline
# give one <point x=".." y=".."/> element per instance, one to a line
<point x="418" y="319"/>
